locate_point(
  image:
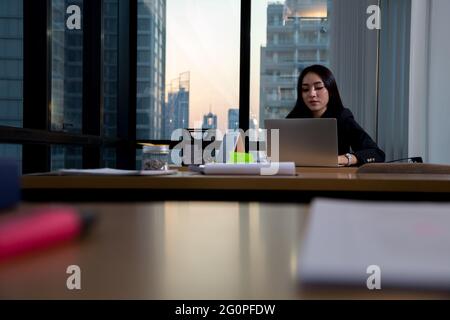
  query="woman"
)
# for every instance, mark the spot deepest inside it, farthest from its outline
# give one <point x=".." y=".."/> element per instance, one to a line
<point x="318" y="97"/>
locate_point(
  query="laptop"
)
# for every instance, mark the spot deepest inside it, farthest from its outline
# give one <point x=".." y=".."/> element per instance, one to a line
<point x="307" y="142"/>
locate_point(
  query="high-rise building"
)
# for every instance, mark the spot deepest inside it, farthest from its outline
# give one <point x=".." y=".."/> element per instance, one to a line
<point x="110" y="69"/>
<point x="253" y="122"/>
<point x="233" y="119"/>
<point x="209" y="121"/>
<point x="11" y="74"/>
<point x="66" y="83"/>
<point x="110" y="77"/>
<point x="151" y="53"/>
<point x="176" y="109"/>
<point x="297" y="36"/>
<point x="67" y="70"/>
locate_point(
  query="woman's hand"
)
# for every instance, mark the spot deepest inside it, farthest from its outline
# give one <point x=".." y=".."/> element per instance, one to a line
<point x="343" y="161"/>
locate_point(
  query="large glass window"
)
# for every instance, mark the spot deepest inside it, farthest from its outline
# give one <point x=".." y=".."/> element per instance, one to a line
<point x="67" y="68"/>
<point x="188" y="65"/>
<point x="12" y="151"/>
<point x="11" y="62"/>
<point x="110" y="64"/>
<point x="66" y="157"/>
<point x="287" y="36"/>
<point x="108" y="158"/>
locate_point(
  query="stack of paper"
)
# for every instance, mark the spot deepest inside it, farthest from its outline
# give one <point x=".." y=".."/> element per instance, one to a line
<point x="352" y="242"/>
<point x="264" y="169"/>
<point x="115" y="172"/>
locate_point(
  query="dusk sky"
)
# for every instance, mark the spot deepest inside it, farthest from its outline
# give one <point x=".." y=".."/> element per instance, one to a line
<point x="203" y="37"/>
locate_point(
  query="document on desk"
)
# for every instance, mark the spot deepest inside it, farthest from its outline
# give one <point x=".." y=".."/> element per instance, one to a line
<point x="115" y="172"/>
<point x="402" y="245"/>
<point x="264" y="169"/>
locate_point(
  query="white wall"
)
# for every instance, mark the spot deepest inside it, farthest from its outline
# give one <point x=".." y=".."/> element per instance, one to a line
<point x="418" y="80"/>
<point x="429" y="113"/>
<point x="439" y="89"/>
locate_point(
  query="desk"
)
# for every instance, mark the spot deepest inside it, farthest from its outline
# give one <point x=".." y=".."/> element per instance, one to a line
<point x="180" y="250"/>
<point x="308" y="183"/>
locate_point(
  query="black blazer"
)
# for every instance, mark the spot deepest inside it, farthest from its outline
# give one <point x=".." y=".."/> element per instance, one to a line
<point x="351" y="137"/>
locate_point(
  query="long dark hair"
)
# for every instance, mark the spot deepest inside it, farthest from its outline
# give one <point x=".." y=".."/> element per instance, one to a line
<point x="335" y="105"/>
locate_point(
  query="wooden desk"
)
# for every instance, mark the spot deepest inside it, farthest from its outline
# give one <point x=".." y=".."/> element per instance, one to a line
<point x="309" y="183"/>
<point x="180" y="250"/>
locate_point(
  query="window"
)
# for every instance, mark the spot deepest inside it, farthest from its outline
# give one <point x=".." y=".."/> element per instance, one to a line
<point x="289" y="35"/>
<point x="286" y="37"/>
<point x="188" y="64"/>
<point x="109" y="158"/>
<point x="11" y="62"/>
<point x="187" y="75"/>
<point x="66" y="157"/>
<point x="67" y="71"/>
<point x="110" y="75"/>
<point x="12" y="151"/>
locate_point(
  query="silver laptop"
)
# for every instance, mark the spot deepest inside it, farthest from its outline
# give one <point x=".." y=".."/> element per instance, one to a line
<point x="307" y="142"/>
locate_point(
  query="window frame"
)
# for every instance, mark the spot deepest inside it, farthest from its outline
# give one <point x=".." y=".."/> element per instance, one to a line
<point x="36" y="136"/>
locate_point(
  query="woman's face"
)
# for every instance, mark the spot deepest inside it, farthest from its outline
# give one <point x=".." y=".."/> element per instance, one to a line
<point x="314" y="94"/>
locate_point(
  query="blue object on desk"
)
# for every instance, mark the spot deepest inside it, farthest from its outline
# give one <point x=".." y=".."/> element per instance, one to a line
<point x="9" y="183"/>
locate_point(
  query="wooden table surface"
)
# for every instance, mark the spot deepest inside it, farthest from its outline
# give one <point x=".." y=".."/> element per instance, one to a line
<point x="307" y="179"/>
<point x="180" y="250"/>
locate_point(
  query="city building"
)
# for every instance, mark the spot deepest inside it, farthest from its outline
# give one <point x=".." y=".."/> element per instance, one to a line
<point x="233" y="119"/>
<point x="297" y="36"/>
<point x="151" y="53"/>
<point x="66" y="84"/>
<point x="11" y="74"/>
<point x="176" y="110"/>
<point x="67" y="71"/>
<point x="110" y="62"/>
<point x="209" y="121"/>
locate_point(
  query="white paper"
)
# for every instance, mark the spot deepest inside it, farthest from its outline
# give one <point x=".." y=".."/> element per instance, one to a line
<point x="274" y="168"/>
<point x="116" y="172"/>
<point x="410" y="242"/>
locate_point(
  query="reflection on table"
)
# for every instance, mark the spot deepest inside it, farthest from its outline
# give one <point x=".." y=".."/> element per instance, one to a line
<point x="179" y="250"/>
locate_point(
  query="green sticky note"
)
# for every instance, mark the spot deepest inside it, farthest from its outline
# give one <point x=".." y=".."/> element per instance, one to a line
<point x="240" y="157"/>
